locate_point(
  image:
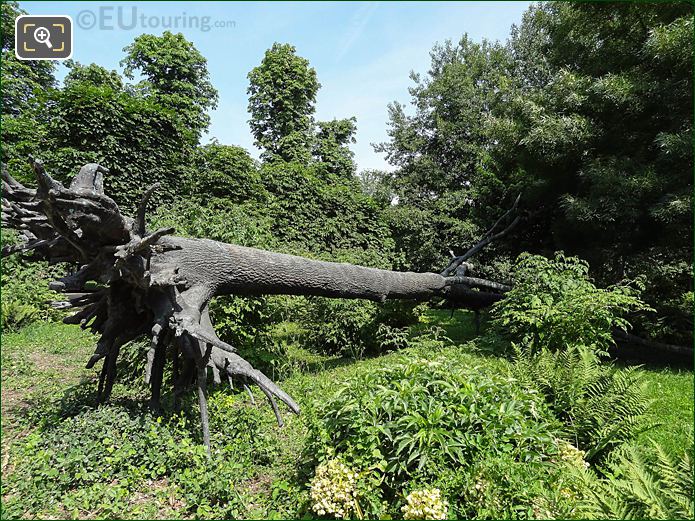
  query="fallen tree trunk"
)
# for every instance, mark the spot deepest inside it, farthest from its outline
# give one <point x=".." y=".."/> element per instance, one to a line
<point x="647" y="348"/>
<point x="133" y="283"/>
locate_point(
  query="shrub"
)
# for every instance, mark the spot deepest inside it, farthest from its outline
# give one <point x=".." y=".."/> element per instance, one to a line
<point x="415" y="420"/>
<point x="356" y="327"/>
<point x="500" y="487"/>
<point x="216" y="219"/>
<point x="341" y="326"/>
<point x="554" y="304"/>
<point x="600" y="406"/>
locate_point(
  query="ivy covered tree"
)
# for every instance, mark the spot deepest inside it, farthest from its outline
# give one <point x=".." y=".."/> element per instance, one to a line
<point x="96" y="117"/>
<point x="142" y="133"/>
<point x="25" y="84"/>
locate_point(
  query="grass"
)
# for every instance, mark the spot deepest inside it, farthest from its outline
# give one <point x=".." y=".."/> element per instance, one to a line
<point x="48" y="400"/>
<point x="672" y="408"/>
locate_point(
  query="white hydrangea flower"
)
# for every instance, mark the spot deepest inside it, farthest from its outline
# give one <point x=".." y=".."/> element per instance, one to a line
<point x="333" y="490"/>
<point x="425" y="504"/>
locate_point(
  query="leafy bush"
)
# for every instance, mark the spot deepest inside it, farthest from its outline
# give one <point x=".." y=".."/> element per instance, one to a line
<point x="216" y="219"/>
<point x="354" y="328"/>
<point x="229" y="172"/>
<point x="341" y="326"/>
<point x="500" y="487"/>
<point x="641" y="484"/>
<point x="25" y="294"/>
<point x="554" y="304"/>
<point x="600" y="406"/>
<point x="417" y="419"/>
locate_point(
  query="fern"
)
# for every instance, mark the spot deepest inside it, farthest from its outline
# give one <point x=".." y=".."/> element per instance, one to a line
<point x="600" y="406"/>
<point x="640" y="484"/>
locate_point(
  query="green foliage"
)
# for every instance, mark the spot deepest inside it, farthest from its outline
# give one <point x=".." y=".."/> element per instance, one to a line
<point x="218" y="220"/>
<point x="331" y="146"/>
<point x="95" y="118"/>
<point x="416" y="419"/>
<point x="600" y="406"/>
<point x="22" y="80"/>
<point x="342" y="326"/>
<point x="25" y="294"/>
<point x="227" y="172"/>
<point x="282" y="95"/>
<point x="587" y="111"/>
<point x="316" y="214"/>
<point x="143" y="133"/>
<point x="24" y="86"/>
<point x="641" y="484"/>
<point x="423" y="237"/>
<point x="253" y="470"/>
<point x="553" y="304"/>
<point x="500" y="487"/>
<point x="176" y="75"/>
<point x="97" y="460"/>
<point x="354" y="328"/>
<point x="445" y="182"/>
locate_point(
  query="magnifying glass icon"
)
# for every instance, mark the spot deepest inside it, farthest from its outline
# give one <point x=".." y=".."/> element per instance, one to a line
<point x="42" y="35"/>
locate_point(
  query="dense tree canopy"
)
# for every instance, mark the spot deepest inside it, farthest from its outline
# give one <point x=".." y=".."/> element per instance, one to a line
<point x="176" y="75"/>
<point x="587" y="111"/>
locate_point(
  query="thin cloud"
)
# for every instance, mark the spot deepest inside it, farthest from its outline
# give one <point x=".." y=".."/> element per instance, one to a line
<point x="358" y="22"/>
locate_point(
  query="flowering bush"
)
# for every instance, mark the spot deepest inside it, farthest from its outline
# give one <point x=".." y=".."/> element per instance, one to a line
<point x="425" y="504"/>
<point x="419" y="420"/>
<point x="334" y="490"/>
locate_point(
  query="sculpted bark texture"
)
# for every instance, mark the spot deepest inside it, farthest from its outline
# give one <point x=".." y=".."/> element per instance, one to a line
<point x="133" y="283"/>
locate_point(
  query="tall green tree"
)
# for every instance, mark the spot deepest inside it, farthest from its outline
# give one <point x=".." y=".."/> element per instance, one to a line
<point x="282" y="98"/>
<point x="176" y="76"/>
<point x="443" y="151"/>
<point x="605" y="123"/>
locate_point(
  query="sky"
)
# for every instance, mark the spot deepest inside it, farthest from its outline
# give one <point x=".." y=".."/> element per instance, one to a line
<point x="363" y="52"/>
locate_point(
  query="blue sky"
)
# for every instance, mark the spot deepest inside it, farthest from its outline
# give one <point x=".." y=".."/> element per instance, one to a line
<point x="363" y="52"/>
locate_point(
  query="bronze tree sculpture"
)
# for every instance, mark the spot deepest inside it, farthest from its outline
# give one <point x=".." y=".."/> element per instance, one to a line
<point x="133" y="282"/>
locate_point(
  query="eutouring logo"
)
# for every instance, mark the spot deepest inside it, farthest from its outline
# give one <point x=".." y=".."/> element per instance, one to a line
<point x="127" y="18"/>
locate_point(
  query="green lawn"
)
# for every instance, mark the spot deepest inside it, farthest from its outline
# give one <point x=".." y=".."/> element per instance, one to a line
<point x="46" y="390"/>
